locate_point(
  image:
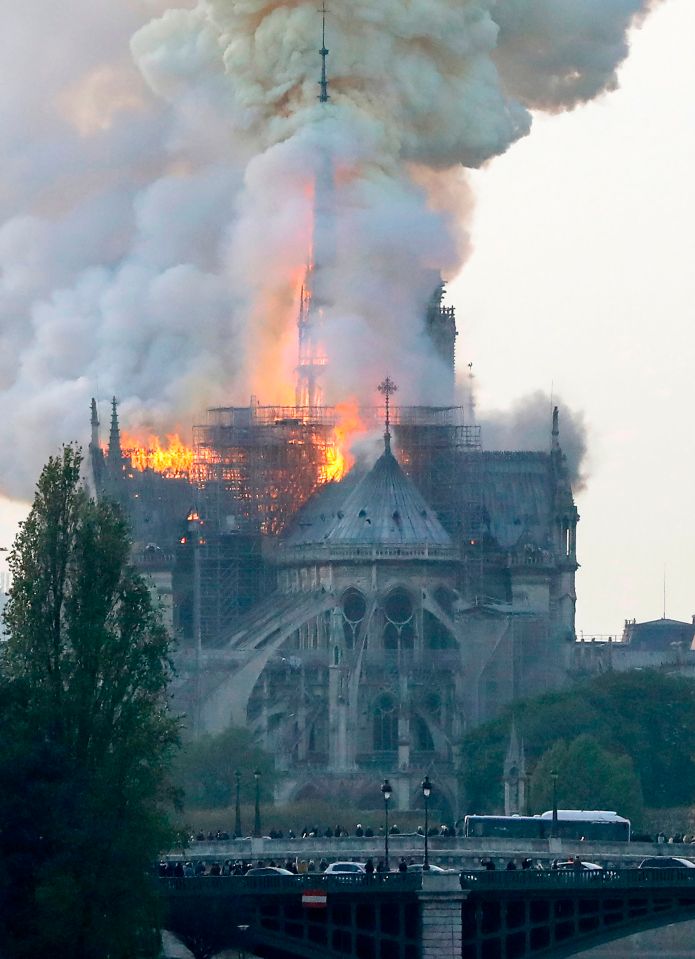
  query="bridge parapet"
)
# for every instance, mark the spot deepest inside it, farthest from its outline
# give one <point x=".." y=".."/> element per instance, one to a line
<point x="452" y="851"/>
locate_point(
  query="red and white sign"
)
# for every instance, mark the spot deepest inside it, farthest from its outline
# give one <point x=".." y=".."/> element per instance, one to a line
<point x="314" y="899"/>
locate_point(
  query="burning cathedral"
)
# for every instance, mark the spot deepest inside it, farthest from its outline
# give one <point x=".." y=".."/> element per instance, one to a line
<point x="358" y="612"/>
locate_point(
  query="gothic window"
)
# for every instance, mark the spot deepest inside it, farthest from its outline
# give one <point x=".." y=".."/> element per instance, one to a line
<point x="385" y="725"/>
<point x="354" y="605"/>
<point x="437" y="636"/>
<point x="423" y="737"/>
<point x="354" y="609"/>
<point x="390" y="636"/>
<point x="398" y="607"/>
<point x="407" y="636"/>
<point x="433" y="705"/>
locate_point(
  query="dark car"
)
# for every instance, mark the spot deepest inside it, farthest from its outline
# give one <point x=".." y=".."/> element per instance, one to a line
<point x="666" y="862"/>
<point x="269" y="871"/>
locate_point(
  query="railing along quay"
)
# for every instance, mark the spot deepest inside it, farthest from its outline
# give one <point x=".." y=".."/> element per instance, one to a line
<point x="577" y="878"/>
<point x="282" y="885"/>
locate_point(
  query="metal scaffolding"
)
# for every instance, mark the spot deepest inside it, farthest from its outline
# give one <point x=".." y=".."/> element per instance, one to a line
<point x="257" y="465"/>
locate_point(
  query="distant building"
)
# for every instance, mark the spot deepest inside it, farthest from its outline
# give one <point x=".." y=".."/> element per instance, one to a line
<point x="658" y="635"/>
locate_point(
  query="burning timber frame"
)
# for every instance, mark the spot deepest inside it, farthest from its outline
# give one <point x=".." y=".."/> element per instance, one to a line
<point x="265" y="462"/>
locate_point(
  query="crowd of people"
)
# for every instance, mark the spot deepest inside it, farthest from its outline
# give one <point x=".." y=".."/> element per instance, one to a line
<point x="240" y="867"/>
<point x="336" y="832"/>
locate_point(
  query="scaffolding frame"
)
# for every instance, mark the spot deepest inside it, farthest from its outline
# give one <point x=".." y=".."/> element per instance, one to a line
<point x="256" y="466"/>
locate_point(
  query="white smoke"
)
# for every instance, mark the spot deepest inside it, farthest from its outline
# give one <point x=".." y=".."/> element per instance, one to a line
<point x="155" y="205"/>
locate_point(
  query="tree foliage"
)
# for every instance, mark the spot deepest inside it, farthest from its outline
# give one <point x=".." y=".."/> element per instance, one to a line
<point x="205" y="769"/>
<point x="87" y="735"/>
<point x="588" y="777"/>
<point x="646" y="715"/>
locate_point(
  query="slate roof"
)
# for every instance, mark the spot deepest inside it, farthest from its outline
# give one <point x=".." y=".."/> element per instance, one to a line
<point x="658" y="634"/>
<point x="517" y="495"/>
<point x="318" y="516"/>
<point x="380" y="508"/>
<point x="386" y="508"/>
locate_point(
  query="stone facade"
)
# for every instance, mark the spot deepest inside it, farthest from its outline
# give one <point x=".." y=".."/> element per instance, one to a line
<point x="388" y="636"/>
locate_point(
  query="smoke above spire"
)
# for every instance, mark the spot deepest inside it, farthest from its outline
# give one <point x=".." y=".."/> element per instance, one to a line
<point x="157" y="202"/>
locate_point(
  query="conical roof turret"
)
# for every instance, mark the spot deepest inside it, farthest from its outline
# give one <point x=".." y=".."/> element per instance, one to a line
<point x="387" y="509"/>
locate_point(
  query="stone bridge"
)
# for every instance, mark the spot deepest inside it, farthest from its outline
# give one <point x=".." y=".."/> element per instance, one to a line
<point x="454" y="851"/>
<point x="479" y="915"/>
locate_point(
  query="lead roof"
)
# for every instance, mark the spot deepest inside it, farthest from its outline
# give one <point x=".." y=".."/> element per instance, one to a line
<point x="383" y="507"/>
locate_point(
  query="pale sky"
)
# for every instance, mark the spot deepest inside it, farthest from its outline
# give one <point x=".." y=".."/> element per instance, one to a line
<point x="581" y="282"/>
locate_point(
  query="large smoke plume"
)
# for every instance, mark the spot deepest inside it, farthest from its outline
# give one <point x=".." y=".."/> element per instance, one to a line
<point x="156" y="198"/>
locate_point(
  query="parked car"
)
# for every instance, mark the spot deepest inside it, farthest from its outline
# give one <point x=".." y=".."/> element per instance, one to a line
<point x="344" y="869"/>
<point x="666" y="862"/>
<point x="569" y="864"/>
<point x="269" y="871"/>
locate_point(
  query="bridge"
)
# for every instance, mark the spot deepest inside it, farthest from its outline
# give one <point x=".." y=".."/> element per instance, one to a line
<point x="453" y="851"/>
<point x="477" y="915"/>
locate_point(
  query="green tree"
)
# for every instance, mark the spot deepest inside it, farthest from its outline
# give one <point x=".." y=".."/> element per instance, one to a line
<point x="87" y="736"/>
<point x="646" y="715"/>
<point x="205" y="769"/>
<point x="588" y="777"/>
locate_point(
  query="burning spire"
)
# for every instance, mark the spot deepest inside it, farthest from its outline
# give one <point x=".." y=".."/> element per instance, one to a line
<point x="312" y="352"/>
<point x="323" y="83"/>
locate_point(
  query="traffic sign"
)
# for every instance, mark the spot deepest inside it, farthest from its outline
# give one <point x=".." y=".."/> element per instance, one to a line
<point x="314" y="899"/>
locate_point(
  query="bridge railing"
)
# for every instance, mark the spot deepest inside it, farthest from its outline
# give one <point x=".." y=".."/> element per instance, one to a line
<point x="253" y="885"/>
<point x="564" y="878"/>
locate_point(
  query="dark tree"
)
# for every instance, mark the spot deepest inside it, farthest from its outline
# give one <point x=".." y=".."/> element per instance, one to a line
<point x="87" y="736"/>
<point x="206" y="766"/>
<point x="588" y="777"/>
<point x="645" y="715"/>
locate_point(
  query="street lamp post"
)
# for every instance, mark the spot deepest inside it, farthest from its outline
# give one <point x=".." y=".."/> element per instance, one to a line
<point x="237" y="805"/>
<point x="257" y="813"/>
<point x="553" y="827"/>
<point x="386" y="792"/>
<point x="426" y="792"/>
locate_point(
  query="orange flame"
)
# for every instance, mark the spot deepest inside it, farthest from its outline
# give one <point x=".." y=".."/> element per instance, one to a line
<point x="339" y="459"/>
<point x="173" y="458"/>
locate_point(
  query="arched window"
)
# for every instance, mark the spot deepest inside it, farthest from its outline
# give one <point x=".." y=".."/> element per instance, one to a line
<point x="423" y="737"/>
<point x="385" y="725"/>
<point x="354" y="605"/>
<point x="390" y="636"/>
<point x="398" y="607"/>
<point x="354" y="609"/>
<point x="437" y="636"/>
<point x="407" y="636"/>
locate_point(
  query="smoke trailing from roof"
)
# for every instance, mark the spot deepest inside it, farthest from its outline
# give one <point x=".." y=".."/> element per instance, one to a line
<point x="156" y="203"/>
<point x="527" y="427"/>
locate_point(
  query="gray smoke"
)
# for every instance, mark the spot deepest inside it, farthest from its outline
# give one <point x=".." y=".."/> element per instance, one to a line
<point x="528" y="427"/>
<point x="155" y="205"/>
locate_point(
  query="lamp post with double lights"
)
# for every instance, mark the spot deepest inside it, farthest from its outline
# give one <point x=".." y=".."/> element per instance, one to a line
<point x="553" y="826"/>
<point x="237" y="805"/>
<point x="426" y="792"/>
<point x="257" y="812"/>
<point x="386" y="792"/>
